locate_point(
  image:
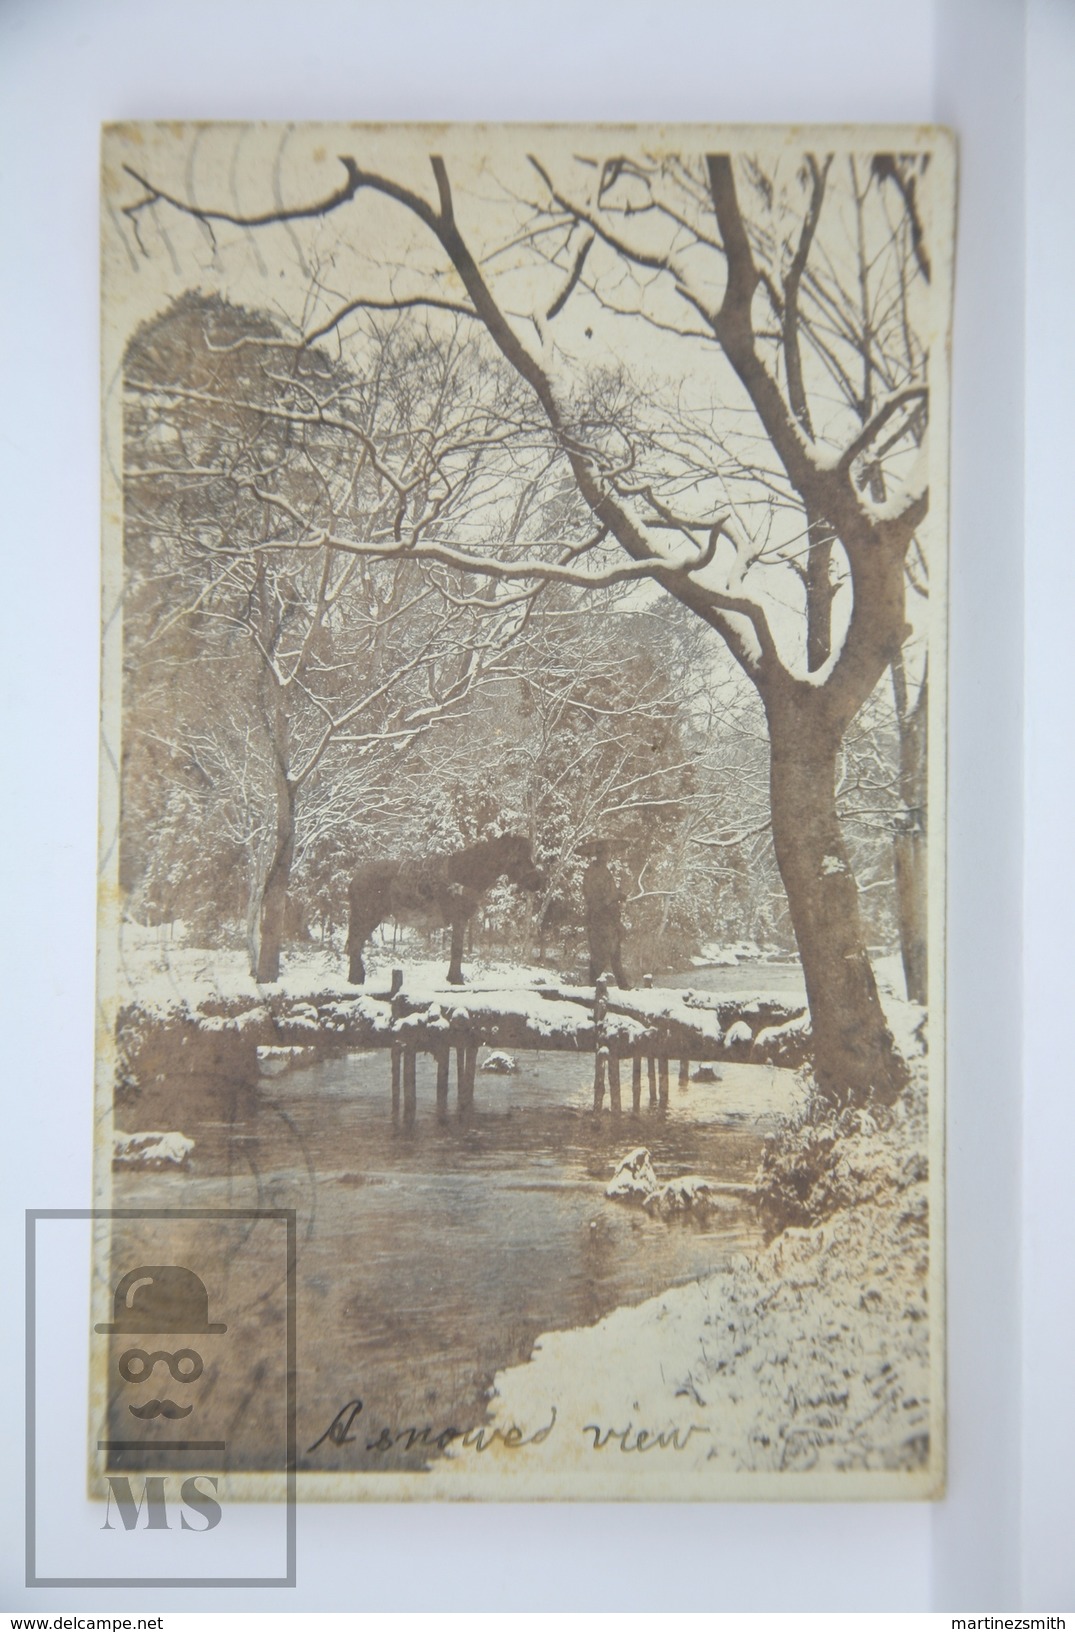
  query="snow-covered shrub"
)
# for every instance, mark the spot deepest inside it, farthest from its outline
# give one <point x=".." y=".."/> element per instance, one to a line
<point x="827" y="1161"/>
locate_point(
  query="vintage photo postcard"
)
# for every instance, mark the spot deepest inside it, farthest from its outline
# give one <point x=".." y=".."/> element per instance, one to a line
<point x="523" y="794"/>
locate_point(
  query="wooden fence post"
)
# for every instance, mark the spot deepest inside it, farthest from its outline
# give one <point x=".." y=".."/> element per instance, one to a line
<point x="684" y="1073"/>
<point x="444" y="1059"/>
<point x="636" y="1082"/>
<point x="600" y="1061"/>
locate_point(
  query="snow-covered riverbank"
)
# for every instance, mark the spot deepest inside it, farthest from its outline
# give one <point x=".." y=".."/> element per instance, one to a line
<point x="813" y="1353"/>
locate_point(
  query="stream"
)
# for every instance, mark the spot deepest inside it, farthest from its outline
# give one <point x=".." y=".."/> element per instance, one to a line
<point x="433" y="1254"/>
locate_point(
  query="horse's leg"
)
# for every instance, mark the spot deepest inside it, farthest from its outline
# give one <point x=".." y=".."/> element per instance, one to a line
<point x="455" y="961"/>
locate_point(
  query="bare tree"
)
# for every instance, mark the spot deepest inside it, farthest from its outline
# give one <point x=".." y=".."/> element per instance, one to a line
<point x="862" y="329"/>
<point x="242" y="456"/>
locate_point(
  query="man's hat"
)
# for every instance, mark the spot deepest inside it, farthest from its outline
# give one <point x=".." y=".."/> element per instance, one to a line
<point x="160" y="1298"/>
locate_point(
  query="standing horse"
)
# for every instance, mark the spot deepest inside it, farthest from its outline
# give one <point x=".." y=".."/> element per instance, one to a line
<point x="434" y="890"/>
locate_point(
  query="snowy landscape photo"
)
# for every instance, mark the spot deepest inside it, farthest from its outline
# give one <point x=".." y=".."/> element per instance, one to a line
<point x="523" y="797"/>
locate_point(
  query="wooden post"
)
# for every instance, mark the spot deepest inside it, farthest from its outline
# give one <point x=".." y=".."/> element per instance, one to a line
<point x="662" y="1067"/>
<point x="444" y="1060"/>
<point x="647" y="982"/>
<point x="600" y="1063"/>
<point x="614" y="1081"/>
<point x="410" y="1085"/>
<point x="636" y="1082"/>
<point x="684" y="1073"/>
<point x="466" y="1064"/>
<point x="397" y="1064"/>
<point x="397" y="982"/>
<point x="600" y="1066"/>
<point x="651" y="1071"/>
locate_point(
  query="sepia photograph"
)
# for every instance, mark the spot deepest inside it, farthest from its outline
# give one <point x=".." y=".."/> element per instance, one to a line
<point x="524" y="677"/>
<point x="538" y="896"/>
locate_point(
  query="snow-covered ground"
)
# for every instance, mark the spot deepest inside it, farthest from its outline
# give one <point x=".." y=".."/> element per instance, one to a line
<point x="813" y="1353"/>
<point x="150" y="966"/>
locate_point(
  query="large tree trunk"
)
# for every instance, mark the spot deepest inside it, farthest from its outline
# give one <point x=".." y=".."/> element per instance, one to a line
<point x="909" y="845"/>
<point x="855" y="1060"/>
<point x="819" y="592"/>
<point x="272" y="915"/>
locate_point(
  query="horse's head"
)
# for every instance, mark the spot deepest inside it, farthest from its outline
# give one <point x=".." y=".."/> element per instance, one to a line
<point x="519" y="864"/>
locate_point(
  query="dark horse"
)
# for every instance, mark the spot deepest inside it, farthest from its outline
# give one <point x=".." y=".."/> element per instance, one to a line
<point x="434" y="890"/>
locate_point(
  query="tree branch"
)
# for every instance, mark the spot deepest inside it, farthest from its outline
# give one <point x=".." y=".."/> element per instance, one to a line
<point x="302" y="212"/>
<point x="910" y="393"/>
<point x="576" y="273"/>
<point x="402" y="304"/>
<point x="792" y="354"/>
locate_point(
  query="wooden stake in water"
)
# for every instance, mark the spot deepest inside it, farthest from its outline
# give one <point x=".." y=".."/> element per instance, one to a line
<point x="467" y="1064"/>
<point x="600" y="1064"/>
<point x="410" y="1085"/>
<point x="397" y="1068"/>
<point x="614" y="1080"/>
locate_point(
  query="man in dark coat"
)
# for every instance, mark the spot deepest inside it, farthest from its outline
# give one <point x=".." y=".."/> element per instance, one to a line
<point x="603" y="927"/>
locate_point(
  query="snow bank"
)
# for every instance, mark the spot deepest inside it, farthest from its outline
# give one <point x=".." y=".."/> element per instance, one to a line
<point x="812" y="1353"/>
<point x="500" y="1064"/>
<point x="634" y="1179"/>
<point x="152" y="1150"/>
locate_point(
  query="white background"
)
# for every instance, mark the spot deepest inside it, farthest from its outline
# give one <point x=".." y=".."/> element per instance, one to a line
<point x="1006" y="83"/>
